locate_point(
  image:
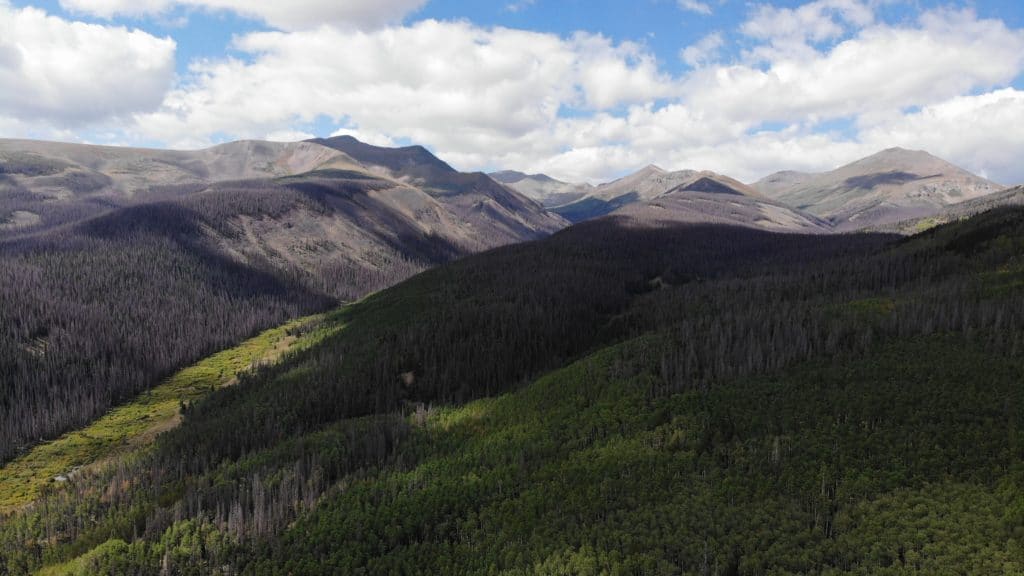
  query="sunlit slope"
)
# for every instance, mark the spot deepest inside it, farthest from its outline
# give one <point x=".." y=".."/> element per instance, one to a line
<point x="133" y="426"/>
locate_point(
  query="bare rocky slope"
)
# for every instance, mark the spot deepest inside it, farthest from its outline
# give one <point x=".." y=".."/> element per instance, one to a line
<point x="542" y="188"/>
<point x="956" y="212"/>
<point x="305" y="207"/>
<point x="644" y="185"/>
<point x="654" y="194"/>
<point x="488" y="213"/>
<point x="888" y="187"/>
<point x="713" y="205"/>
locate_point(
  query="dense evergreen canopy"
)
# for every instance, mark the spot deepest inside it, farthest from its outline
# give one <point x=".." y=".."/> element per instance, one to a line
<point x="622" y="398"/>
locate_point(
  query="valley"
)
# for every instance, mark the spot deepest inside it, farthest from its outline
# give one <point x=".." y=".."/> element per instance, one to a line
<point x="686" y="368"/>
<point x="483" y="387"/>
<point x="132" y="427"/>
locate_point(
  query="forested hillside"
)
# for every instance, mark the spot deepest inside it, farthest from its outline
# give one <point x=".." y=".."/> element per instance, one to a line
<point x="119" y="266"/>
<point x="622" y="397"/>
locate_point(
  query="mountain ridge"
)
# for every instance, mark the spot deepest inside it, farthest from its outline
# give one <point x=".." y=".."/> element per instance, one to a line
<point x="692" y="196"/>
<point x="541" y="188"/>
<point x="884" y="188"/>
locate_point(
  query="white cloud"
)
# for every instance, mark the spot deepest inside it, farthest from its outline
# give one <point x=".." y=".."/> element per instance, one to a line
<point x="704" y="51"/>
<point x="695" y="6"/>
<point x="288" y="136"/>
<point x="374" y="138"/>
<point x="816" y="21"/>
<point x="980" y="132"/>
<point x="610" y="75"/>
<point x="72" y="73"/>
<point x="447" y="84"/>
<point x="285" y="15"/>
<point x="871" y="78"/>
<point x="520" y="5"/>
<point x="882" y="69"/>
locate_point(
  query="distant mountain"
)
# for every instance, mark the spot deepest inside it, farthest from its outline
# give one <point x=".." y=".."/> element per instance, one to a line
<point x="409" y="162"/>
<point x="644" y="185"/>
<point x="688" y="196"/>
<point x="47" y="184"/>
<point x="542" y="188"/>
<point x="53" y="183"/>
<point x="496" y="213"/>
<point x="514" y="177"/>
<point x="718" y="204"/>
<point x="888" y="187"/>
<point x="80" y="169"/>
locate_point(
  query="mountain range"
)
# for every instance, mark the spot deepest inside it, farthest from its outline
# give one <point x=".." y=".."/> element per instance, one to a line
<point x="688" y="196"/>
<point x="408" y="193"/>
<point x="405" y="190"/>
<point x="882" y="190"/>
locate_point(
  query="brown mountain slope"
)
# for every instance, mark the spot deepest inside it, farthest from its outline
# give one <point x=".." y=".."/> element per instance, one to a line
<point x="542" y="188"/>
<point x="495" y="213"/>
<point x="59" y="183"/>
<point x="306" y="209"/>
<point x="887" y="187"/>
<point x="689" y="196"/>
<point x="56" y="166"/>
<point x="711" y="206"/>
<point x="959" y="211"/>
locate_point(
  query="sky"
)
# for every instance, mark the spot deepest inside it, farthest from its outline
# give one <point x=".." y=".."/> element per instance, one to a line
<point x="582" y="90"/>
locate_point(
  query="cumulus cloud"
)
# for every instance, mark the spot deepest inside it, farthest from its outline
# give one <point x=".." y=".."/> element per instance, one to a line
<point x="867" y="79"/>
<point x="448" y="84"/>
<point x="72" y="73"/>
<point x="815" y="21"/>
<point x="285" y="15"/>
<point x="704" y="51"/>
<point x="883" y="68"/>
<point x="695" y="6"/>
<point x="978" y="131"/>
<point x="519" y="5"/>
<point x="288" y="136"/>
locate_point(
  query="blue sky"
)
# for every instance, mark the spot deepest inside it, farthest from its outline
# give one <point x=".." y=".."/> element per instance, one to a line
<point x="584" y="90"/>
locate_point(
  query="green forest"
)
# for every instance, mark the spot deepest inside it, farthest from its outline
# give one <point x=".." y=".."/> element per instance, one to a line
<point x="618" y="398"/>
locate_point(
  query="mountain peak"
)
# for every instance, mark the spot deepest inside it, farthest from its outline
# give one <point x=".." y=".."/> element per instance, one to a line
<point x="898" y="151"/>
<point x="513" y="176"/>
<point x="508" y="176"/>
<point x="888" y="186"/>
<point x="918" y="162"/>
<point x="415" y="159"/>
